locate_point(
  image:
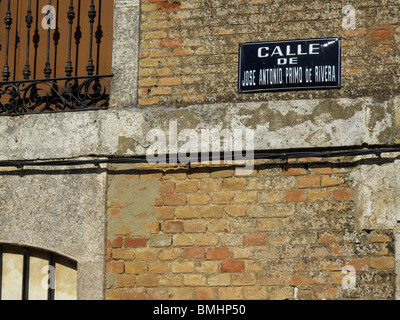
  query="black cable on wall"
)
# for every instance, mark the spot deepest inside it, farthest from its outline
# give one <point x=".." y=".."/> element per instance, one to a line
<point x="283" y="155"/>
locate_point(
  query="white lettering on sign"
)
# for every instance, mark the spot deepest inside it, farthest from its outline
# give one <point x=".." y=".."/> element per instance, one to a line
<point x="325" y="73"/>
<point x="287" y="65"/>
<point x="299" y="51"/>
<point x="249" y="78"/>
<point x="283" y="61"/>
<point x="270" y="76"/>
<point x="289" y="50"/>
<point x="289" y="75"/>
<point x="263" y="52"/>
<point x="294" y="75"/>
<point x="277" y="51"/>
<point x="314" y="48"/>
<point x="308" y="75"/>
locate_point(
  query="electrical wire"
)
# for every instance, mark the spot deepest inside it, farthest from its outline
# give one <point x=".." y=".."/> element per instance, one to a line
<point x="199" y="157"/>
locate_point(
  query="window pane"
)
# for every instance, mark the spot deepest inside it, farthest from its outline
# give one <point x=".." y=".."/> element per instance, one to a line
<point x="66" y="283"/>
<point x="12" y="276"/>
<point x="38" y="285"/>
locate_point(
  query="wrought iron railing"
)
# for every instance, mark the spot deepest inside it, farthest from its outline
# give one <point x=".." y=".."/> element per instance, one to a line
<point x="41" y="89"/>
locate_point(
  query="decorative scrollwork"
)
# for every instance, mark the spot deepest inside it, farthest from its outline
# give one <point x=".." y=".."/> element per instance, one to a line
<point x="54" y="95"/>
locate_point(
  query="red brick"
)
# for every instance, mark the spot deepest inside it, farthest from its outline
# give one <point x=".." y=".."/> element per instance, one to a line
<point x="235" y="210"/>
<point x="210" y="185"/>
<point x="244" y="279"/>
<point x="255" y="239"/>
<point x="134" y="294"/>
<point x="130" y="242"/>
<point x="115" y="267"/>
<point x="296" y="280"/>
<point x="381" y="34"/>
<point x="211" y="212"/>
<point x="329" y="238"/>
<point x="146" y="254"/>
<point x="186" y="186"/>
<point x="175" y="199"/>
<point x="295" y="196"/>
<point x="382" y="263"/>
<point x="229" y="293"/>
<point x="169" y="254"/>
<point x="232" y="266"/>
<point x="317" y="194"/>
<point x="181" y="293"/>
<point x="194" y="280"/>
<point x="187" y="212"/>
<point x="234" y="184"/>
<point x="124" y="280"/>
<point x="308" y="182"/>
<point x="158" y="267"/>
<point x="184" y="52"/>
<point x="171" y="6"/>
<point x="116" y="243"/>
<point x="359" y="264"/>
<point x="136" y="267"/>
<point x="219" y="225"/>
<point x="222" y="198"/>
<point x="194" y="253"/>
<point x="157" y="294"/>
<point x="217" y="253"/>
<point x="171" y="43"/>
<point x="165" y="213"/>
<point x="328" y="181"/>
<point x="147" y="281"/>
<point x="355" y="32"/>
<point x="198" y="198"/>
<point x="172" y="226"/>
<point x="167" y="187"/>
<point x="195" y="226"/>
<point x="342" y="194"/>
<point x="205" y="294"/>
<point x="114" y="294"/>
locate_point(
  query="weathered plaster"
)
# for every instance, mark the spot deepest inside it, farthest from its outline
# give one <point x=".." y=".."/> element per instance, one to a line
<point x="60" y="210"/>
<point x="377" y="189"/>
<point x="133" y="203"/>
<point x="125" y="52"/>
<point x="277" y="125"/>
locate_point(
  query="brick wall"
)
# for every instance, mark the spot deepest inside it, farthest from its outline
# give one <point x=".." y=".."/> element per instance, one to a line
<point x="189" y="48"/>
<point x="284" y="232"/>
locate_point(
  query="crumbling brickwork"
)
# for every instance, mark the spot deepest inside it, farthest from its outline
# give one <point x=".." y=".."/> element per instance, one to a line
<point x="312" y="228"/>
<point x="189" y="48"/>
<point x="287" y="231"/>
